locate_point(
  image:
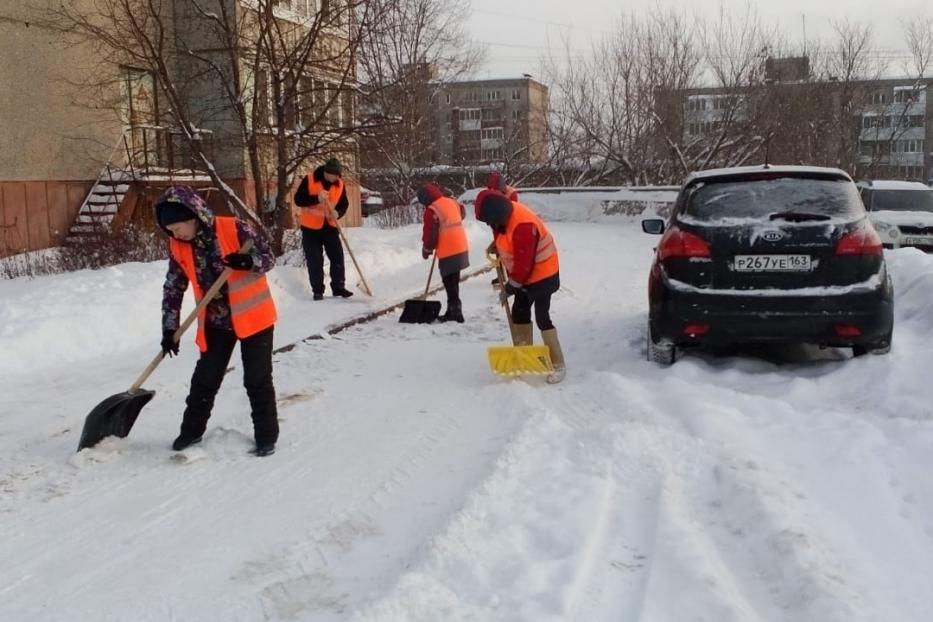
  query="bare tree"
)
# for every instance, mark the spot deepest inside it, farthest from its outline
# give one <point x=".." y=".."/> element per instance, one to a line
<point x="406" y="58"/>
<point x="276" y="82"/>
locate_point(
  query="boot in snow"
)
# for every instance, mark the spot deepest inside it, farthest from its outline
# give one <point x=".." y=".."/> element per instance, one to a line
<point x="557" y="355"/>
<point x="184" y="441"/>
<point x="454" y="313"/>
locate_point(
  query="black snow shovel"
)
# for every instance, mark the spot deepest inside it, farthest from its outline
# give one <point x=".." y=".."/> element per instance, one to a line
<point x="420" y="310"/>
<point x="116" y="415"/>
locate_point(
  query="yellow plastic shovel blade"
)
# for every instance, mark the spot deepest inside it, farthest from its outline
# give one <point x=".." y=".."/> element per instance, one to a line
<point x="519" y="360"/>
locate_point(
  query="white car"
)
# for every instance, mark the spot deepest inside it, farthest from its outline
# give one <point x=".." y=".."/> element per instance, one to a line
<point x="901" y="212"/>
<point x="370" y="201"/>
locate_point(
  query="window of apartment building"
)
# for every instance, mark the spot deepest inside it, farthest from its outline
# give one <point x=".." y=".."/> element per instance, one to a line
<point x="909" y="146"/>
<point x="492" y="132"/>
<point x="491" y="154"/>
<point x="516" y="94"/>
<point x="492" y="114"/>
<point x="516" y="115"/>
<point x="696" y="103"/>
<point x="493" y="95"/>
<point x="869" y="122"/>
<point x="905" y="96"/>
<point x="138" y="97"/>
<point x="447" y="98"/>
<point x="470" y="113"/>
<point x="878" y="98"/>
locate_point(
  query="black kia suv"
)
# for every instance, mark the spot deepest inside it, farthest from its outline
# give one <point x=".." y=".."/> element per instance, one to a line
<point x="768" y="254"/>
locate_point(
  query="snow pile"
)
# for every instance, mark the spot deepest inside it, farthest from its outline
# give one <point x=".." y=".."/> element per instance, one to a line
<point x="411" y="485"/>
<point x="587" y="204"/>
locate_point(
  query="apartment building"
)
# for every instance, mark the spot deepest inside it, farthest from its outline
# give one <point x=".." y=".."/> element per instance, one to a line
<point x="85" y="134"/>
<point x="875" y="128"/>
<point x="485" y="121"/>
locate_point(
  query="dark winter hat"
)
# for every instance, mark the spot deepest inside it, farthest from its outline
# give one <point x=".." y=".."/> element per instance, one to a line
<point x="493" y="208"/>
<point x="333" y="167"/>
<point x="429" y="193"/>
<point x="171" y="211"/>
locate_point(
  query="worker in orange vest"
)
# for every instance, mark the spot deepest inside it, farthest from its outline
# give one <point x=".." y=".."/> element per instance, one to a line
<point x="529" y="255"/>
<point x="495" y="181"/>
<point x="444" y="233"/>
<point x="201" y="246"/>
<point x="322" y="197"/>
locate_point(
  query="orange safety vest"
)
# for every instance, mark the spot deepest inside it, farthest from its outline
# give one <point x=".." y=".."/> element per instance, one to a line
<point x="251" y="306"/>
<point x="452" y="238"/>
<point x="313" y="216"/>
<point x="546" y="262"/>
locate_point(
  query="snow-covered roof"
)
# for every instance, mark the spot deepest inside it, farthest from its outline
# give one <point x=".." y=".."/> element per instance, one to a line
<point x="760" y="168"/>
<point x="895" y="184"/>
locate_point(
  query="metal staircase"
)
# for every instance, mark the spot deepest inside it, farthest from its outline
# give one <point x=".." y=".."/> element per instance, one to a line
<point x="153" y="159"/>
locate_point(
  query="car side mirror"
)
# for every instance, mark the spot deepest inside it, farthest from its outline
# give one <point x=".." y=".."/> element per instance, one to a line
<point x="654" y="226"/>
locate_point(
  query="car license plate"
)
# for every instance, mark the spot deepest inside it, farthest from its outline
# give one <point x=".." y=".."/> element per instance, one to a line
<point x="772" y="263"/>
<point x="919" y="240"/>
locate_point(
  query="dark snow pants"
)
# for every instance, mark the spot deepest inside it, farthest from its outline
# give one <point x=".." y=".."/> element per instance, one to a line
<point x="256" y="352"/>
<point x="452" y="287"/>
<point x="315" y="243"/>
<point x="537" y="295"/>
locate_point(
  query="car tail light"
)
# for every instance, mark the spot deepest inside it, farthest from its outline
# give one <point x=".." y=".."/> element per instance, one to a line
<point x="847" y="330"/>
<point x="862" y="241"/>
<point x="677" y="243"/>
<point x="694" y="330"/>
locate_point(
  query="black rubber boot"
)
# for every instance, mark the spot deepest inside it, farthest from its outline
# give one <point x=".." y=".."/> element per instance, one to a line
<point x="184" y="441"/>
<point x="454" y="313"/>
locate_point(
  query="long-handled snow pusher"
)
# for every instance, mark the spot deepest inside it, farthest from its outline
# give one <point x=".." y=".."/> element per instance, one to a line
<point x="421" y="310"/>
<point x="520" y="358"/>
<point x="116" y="415"/>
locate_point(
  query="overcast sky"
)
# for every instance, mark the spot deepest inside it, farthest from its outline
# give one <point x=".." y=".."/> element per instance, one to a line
<point x="518" y="32"/>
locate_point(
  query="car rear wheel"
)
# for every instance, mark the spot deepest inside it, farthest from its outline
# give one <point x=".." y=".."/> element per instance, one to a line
<point x="661" y="352"/>
<point x="872" y="349"/>
<point x="882" y="347"/>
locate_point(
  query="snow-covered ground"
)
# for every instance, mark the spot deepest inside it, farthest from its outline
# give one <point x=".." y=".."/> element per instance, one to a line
<point x="411" y="484"/>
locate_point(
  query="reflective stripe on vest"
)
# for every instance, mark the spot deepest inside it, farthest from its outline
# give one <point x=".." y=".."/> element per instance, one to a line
<point x="452" y="238"/>
<point x="313" y="216"/>
<point x="251" y="306"/>
<point x="546" y="261"/>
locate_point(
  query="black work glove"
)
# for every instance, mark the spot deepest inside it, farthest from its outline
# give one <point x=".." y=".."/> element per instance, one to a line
<point x="238" y="261"/>
<point x="169" y="345"/>
<point x="425" y="253"/>
<point x="511" y="288"/>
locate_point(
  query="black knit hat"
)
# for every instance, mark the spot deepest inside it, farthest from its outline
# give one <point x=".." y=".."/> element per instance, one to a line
<point x="333" y="167"/>
<point x="170" y="212"/>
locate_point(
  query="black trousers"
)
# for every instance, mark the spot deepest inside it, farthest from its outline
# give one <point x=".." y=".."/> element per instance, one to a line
<point x="315" y="243"/>
<point x="537" y="295"/>
<point x="256" y="351"/>
<point x="452" y="287"/>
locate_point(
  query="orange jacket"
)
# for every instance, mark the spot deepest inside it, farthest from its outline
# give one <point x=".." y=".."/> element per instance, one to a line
<point x="313" y="217"/>
<point x="251" y="306"/>
<point x="537" y="250"/>
<point x="452" y="238"/>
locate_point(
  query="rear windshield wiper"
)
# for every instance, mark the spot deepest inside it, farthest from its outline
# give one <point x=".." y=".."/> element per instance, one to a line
<point x="797" y="216"/>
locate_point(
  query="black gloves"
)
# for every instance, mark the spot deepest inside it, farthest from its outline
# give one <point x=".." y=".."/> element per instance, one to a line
<point x="238" y="261"/>
<point x="169" y="345"/>
<point x="511" y="288"/>
<point x="425" y="253"/>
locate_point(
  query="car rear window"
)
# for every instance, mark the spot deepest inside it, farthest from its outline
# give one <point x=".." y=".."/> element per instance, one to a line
<point x="902" y="200"/>
<point x="761" y="198"/>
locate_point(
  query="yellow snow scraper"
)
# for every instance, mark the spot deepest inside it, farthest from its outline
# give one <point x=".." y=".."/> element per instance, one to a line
<point x="521" y="357"/>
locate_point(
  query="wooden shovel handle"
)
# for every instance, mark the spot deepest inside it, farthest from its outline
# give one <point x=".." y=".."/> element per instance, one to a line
<point x="430" y="274"/>
<point x="205" y="300"/>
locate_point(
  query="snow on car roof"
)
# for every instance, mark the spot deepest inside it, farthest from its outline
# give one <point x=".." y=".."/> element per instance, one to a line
<point x="896" y="184"/>
<point x="761" y="168"/>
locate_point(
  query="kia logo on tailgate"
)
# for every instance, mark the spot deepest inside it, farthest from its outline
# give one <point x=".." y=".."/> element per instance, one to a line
<point x="772" y="236"/>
